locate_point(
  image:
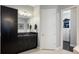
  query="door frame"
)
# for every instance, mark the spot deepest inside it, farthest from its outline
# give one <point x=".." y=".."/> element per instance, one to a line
<point x="62" y="23"/>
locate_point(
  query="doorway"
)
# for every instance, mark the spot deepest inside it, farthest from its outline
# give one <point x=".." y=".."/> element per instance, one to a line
<point x="68" y="30"/>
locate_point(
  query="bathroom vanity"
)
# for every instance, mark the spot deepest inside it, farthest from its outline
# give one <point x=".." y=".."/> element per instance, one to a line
<point x="27" y="41"/>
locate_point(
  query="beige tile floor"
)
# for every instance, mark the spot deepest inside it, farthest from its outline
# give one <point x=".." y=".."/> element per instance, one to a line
<point x="40" y="51"/>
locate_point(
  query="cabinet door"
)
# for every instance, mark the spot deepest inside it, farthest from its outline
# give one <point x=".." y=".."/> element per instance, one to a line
<point x="8" y="28"/>
<point x="22" y="44"/>
<point x="33" y="41"/>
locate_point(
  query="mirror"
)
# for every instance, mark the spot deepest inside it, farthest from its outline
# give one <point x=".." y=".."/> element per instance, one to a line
<point x="25" y="15"/>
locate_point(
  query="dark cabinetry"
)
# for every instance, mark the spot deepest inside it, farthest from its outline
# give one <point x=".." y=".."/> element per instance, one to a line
<point x="26" y="42"/>
<point x="8" y="29"/>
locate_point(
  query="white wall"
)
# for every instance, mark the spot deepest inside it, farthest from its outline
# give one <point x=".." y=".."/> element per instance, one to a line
<point x="58" y="26"/>
<point x="73" y="27"/>
<point x="36" y="20"/>
<point x="77" y="25"/>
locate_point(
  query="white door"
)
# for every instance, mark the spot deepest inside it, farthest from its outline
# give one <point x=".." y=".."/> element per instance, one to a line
<point x="48" y="29"/>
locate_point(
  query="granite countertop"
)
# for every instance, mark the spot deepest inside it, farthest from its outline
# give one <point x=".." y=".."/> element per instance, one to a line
<point x="26" y="34"/>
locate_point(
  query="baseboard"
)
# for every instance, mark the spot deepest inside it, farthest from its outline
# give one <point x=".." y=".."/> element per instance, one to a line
<point x="51" y="49"/>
